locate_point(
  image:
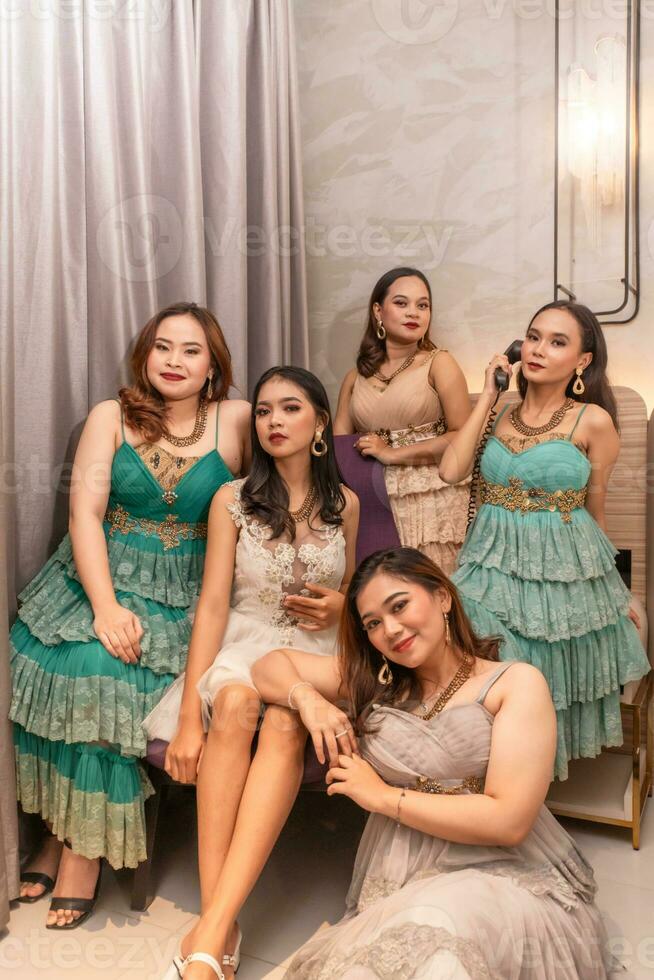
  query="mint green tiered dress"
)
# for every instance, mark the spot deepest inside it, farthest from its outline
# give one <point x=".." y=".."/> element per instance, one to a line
<point x="77" y="710"/>
<point x="545" y="580"/>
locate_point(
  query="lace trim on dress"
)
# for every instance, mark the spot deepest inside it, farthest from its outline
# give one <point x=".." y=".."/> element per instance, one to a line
<point x="517" y="444"/>
<point x="397" y="954"/>
<point x="320" y="564"/>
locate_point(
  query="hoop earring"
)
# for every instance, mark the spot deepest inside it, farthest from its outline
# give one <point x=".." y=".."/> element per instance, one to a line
<point x="385" y="675"/>
<point x="210" y="388"/>
<point x="381" y="330"/>
<point x="319" y="447"/>
<point x="448" y="635"/>
<point x="579" y="387"/>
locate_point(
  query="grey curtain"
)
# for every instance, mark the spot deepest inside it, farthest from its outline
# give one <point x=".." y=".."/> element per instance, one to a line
<point x="148" y="153"/>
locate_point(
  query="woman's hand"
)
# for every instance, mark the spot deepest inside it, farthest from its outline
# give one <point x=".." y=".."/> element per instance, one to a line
<point x="320" y="613"/>
<point x="634" y="617"/>
<point x="498" y="361"/>
<point x="373" y="445"/>
<point x="354" y="777"/>
<point x="328" y="726"/>
<point x="119" y="631"/>
<point x="185" y="751"/>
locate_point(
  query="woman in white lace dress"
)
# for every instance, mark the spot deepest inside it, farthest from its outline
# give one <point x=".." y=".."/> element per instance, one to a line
<point x="280" y="553"/>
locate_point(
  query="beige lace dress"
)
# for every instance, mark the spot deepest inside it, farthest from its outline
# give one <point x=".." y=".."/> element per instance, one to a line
<point x="428" y="909"/>
<point x="429" y="514"/>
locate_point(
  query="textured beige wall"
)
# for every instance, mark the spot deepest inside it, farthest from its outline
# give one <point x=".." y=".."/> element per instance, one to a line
<point x="428" y="140"/>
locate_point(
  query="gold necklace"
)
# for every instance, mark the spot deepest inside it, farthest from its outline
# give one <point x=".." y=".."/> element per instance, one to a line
<point x="459" y="679"/>
<point x="306" y="510"/>
<point x="198" y="428"/>
<point x="407" y="362"/>
<point x="538" y="430"/>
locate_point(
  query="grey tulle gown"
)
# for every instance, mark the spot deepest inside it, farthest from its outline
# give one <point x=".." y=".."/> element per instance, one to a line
<point x="423" y="907"/>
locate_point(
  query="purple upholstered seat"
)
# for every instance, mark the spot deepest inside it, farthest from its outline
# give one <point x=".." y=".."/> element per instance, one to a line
<point x="365" y="476"/>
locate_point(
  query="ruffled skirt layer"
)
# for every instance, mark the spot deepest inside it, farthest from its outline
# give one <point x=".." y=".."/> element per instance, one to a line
<point x="552" y="593"/>
<point x="78" y="711"/>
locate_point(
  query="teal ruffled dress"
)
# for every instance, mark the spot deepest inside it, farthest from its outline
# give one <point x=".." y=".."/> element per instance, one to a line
<point x="77" y="710"/>
<point x="537" y="570"/>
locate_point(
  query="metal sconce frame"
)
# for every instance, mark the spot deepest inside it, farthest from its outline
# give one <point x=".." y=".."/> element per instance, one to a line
<point x="631" y="277"/>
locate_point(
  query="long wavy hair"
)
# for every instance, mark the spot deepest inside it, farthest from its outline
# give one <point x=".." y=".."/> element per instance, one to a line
<point x="143" y="407"/>
<point x="360" y="661"/>
<point x="598" y="390"/>
<point x="372" y="350"/>
<point x="264" y="493"/>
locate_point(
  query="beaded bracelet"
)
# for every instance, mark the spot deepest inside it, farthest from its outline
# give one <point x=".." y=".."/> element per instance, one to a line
<point x="290" y="693"/>
<point x="399" y="804"/>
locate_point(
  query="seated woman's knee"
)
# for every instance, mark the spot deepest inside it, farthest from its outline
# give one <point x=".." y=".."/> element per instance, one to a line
<point x="236" y="709"/>
<point x="282" y="730"/>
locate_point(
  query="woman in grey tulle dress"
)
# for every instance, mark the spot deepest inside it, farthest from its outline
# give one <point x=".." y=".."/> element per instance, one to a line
<point x="461" y="872"/>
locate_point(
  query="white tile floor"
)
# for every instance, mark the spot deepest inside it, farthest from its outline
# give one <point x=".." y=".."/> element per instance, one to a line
<point x="303" y="886"/>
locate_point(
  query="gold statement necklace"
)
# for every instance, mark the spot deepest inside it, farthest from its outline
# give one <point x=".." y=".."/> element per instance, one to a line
<point x="459" y="679"/>
<point x="198" y="428"/>
<point x="538" y="430"/>
<point x="407" y="362"/>
<point x="306" y="509"/>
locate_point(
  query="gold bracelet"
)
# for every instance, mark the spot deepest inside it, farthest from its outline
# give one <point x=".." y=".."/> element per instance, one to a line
<point x="399" y="804"/>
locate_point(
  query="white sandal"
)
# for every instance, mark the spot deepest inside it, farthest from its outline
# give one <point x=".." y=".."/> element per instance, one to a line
<point x="234" y="961"/>
<point x="177" y="968"/>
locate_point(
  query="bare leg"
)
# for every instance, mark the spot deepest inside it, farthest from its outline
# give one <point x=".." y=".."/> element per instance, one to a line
<point x="77" y="878"/>
<point x="270" y="790"/>
<point x="46" y="861"/>
<point x="221" y="778"/>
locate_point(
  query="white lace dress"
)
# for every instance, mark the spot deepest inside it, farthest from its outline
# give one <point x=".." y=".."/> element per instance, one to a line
<point x="266" y="571"/>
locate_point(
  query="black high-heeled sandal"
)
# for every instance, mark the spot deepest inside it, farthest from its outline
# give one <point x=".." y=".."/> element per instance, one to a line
<point x="35" y="878"/>
<point x="83" y="905"/>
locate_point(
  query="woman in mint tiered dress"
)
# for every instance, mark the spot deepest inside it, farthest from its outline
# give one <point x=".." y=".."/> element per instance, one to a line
<point x="103" y="629"/>
<point x="537" y="567"/>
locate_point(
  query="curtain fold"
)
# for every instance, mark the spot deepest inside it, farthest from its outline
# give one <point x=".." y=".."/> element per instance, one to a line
<point x="148" y="153"/>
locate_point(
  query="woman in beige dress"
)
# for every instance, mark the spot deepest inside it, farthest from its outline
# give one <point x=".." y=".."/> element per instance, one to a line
<point x="462" y="873"/>
<point x="407" y="397"/>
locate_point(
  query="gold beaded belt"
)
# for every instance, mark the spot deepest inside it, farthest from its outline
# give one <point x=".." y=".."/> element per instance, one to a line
<point x="171" y="531"/>
<point x="525" y="499"/>
<point x="471" y="784"/>
<point x="413" y="433"/>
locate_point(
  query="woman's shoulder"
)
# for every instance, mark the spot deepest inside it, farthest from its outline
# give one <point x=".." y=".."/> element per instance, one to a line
<point x="235" y="409"/>
<point x="351" y="501"/>
<point x="104" y="416"/>
<point x="347" y="384"/>
<point x="519" y="679"/>
<point x="594" y="418"/>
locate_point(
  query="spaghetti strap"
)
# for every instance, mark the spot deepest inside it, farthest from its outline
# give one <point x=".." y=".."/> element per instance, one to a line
<point x="499" y="417"/>
<point x="495" y="676"/>
<point x="217" y="417"/>
<point x="579" y="414"/>
<point x="122" y="419"/>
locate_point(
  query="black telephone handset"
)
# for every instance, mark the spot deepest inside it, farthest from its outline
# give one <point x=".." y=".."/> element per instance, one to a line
<point x="513" y="353"/>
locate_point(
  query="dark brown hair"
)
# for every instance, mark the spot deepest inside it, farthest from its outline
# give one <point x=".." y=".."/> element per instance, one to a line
<point x="598" y="390"/>
<point x="360" y="661"/>
<point x="264" y="493"/>
<point x="372" y="350"/>
<point x="143" y="407"/>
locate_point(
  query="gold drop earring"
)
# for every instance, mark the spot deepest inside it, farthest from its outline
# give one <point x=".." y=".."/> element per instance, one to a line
<point x="381" y="330"/>
<point x="448" y="635"/>
<point x="385" y="675"/>
<point x="579" y="387"/>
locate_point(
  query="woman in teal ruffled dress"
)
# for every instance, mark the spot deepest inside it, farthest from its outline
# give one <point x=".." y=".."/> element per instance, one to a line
<point x="103" y="629"/>
<point x="536" y="567"/>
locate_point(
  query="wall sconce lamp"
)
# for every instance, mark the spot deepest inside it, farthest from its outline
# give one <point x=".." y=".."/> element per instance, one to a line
<point x="596" y="176"/>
